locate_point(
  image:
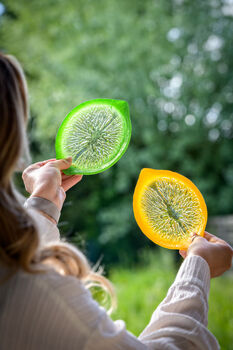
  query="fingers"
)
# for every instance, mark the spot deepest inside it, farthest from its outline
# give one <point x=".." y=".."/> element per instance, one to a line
<point x="183" y="253"/>
<point x="70" y="181"/>
<point x="193" y="237"/>
<point x="210" y="237"/>
<point x="196" y="238"/>
<point x="64" y="176"/>
<point x="37" y="165"/>
<point x="61" y="164"/>
<point x="207" y="234"/>
<point x="213" y="239"/>
<point x="44" y="162"/>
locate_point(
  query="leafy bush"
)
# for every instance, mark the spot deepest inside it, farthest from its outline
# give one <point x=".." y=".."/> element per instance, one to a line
<point x="171" y="60"/>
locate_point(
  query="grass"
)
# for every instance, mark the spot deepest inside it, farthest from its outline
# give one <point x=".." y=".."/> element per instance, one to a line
<point x="221" y="310"/>
<point x="140" y="290"/>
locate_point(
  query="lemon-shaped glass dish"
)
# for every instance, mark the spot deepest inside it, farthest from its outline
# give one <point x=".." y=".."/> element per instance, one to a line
<point x="168" y="208"/>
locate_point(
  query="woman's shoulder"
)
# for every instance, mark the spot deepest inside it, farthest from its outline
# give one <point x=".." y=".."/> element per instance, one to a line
<point x="64" y="297"/>
<point x="52" y="283"/>
<point x="60" y="307"/>
<point x="48" y="281"/>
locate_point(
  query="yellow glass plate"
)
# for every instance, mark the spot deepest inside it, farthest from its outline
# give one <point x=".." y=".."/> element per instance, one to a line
<point x="168" y="208"/>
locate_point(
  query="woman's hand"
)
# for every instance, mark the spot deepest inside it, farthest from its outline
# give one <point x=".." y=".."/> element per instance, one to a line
<point x="214" y="250"/>
<point x="45" y="179"/>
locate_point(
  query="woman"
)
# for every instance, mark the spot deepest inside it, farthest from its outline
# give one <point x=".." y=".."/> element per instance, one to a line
<point x="44" y="303"/>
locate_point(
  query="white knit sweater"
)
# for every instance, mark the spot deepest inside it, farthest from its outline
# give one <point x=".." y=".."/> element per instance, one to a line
<point x="50" y="311"/>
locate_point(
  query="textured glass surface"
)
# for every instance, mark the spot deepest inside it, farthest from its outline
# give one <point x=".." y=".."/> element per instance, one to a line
<point x="93" y="136"/>
<point x="172" y="210"/>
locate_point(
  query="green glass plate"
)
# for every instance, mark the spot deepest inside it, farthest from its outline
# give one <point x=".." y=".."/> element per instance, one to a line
<point x="96" y="134"/>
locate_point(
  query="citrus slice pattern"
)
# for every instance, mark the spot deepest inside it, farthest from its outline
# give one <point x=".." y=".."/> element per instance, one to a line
<point x="96" y="134"/>
<point x="168" y="208"/>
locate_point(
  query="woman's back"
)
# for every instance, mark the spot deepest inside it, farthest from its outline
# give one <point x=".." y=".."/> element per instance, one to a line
<point x="44" y="311"/>
<point x="49" y="311"/>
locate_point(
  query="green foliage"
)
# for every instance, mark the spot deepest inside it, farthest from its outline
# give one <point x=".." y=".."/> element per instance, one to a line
<point x="141" y="289"/>
<point x="172" y="62"/>
<point x="221" y="310"/>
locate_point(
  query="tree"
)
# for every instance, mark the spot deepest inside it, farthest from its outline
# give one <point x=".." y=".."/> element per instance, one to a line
<point x="171" y="60"/>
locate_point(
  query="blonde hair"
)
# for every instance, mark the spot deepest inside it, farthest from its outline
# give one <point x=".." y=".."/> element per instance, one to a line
<point x="19" y="240"/>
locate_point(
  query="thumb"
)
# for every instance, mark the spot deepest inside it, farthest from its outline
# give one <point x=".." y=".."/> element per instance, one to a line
<point x="183" y="253"/>
<point x="61" y="164"/>
<point x="197" y="242"/>
<point x="196" y="238"/>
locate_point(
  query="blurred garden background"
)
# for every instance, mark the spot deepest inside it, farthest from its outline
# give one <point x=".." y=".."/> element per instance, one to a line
<point x="172" y="60"/>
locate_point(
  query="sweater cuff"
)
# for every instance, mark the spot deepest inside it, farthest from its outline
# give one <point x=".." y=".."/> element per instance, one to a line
<point x="48" y="232"/>
<point x="44" y="205"/>
<point x="196" y="270"/>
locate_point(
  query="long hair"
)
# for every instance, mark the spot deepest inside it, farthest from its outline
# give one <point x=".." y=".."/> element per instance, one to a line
<point x="19" y="240"/>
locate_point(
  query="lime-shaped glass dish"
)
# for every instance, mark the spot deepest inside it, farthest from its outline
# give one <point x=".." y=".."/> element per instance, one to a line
<point x="95" y="134"/>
